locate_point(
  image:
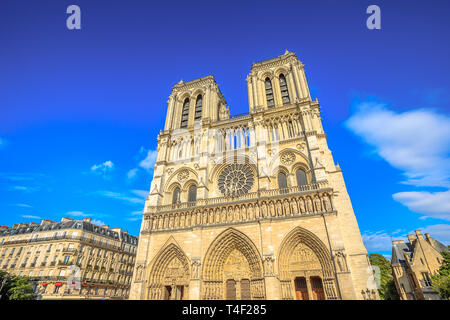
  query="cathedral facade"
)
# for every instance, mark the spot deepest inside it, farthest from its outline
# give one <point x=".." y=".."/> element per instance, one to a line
<point x="251" y="206"/>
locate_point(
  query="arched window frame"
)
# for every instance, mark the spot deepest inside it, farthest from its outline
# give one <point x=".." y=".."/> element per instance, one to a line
<point x="176" y="195"/>
<point x="185" y="113"/>
<point x="192" y="195"/>
<point x="303" y="176"/>
<point x="269" y="93"/>
<point x="198" y="107"/>
<point x="284" y="89"/>
<point x="284" y="175"/>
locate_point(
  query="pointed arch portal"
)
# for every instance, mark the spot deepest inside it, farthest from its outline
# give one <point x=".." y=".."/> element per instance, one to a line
<point x="233" y="268"/>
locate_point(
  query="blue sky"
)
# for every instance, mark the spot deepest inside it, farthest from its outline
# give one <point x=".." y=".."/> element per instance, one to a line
<point x="80" y="110"/>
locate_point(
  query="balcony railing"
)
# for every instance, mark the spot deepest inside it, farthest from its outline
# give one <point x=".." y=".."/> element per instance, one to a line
<point x="249" y="196"/>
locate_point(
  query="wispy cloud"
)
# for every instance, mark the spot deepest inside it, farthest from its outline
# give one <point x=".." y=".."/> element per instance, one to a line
<point x="98" y="222"/>
<point x="149" y="162"/>
<point x="380" y="241"/>
<point x="440" y="232"/>
<point x="136" y="215"/>
<point x="417" y="142"/>
<point x="377" y="241"/>
<point x="131" y="175"/>
<point x="78" y="214"/>
<point x="23" y="205"/>
<point x="26" y="189"/>
<point x="103" y="169"/>
<point x="435" y="205"/>
<point x="123" y="197"/>
<point x="31" y="217"/>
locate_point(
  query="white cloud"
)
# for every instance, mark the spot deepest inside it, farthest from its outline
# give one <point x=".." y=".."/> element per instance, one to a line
<point x="141" y="193"/>
<point x="103" y="169"/>
<point x="436" y="205"/>
<point x="440" y="232"/>
<point x="416" y="142"/>
<point x="381" y="241"/>
<point x="98" y="222"/>
<point x="25" y="189"/>
<point x="149" y="161"/>
<point x="377" y="241"/>
<point x="31" y="217"/>
<point x="23" y="205"/>
<point x="77" y="214"/>
<point x="121" y="196"/>
<point x="132" y="173"/>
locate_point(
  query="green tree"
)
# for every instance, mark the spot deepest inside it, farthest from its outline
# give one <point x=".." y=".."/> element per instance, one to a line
<point x="387" y="289"/>
<point x="15" y="287"/>
<point x="441" y="281"/>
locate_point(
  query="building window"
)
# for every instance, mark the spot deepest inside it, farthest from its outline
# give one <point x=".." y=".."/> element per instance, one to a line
<point x="426" y="279"/>
<point x="269" y="93"/>
<point x="192" y="193"/>
<point x="282" y="182"/>
<point x="198" y="107"/>
<point x="284" y="89"/>
<point x="185" y="114"/>
<point x="301" y="177"/>
<point x="176" y="195"/>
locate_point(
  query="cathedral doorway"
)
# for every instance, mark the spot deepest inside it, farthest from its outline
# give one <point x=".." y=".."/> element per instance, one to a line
<point x="232" y="269"/>
<point x="169" y="275"/>
<point x="305" y="268"/>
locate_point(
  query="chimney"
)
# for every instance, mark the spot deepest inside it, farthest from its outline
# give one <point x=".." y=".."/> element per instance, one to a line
<point x="427" y="236"/>
<point x="125" y="232"/>
<point x="33" y="224"/>
<point x="397" y="241"/>
<point x="3" y="227"/>
<point x="46" y="221"/>
<point x="411" y="238"/>
<point x="418" y="234"/>
<point x="65" y="219"/>
<point x="87" y="219"/>
<point x="105" y="226"/>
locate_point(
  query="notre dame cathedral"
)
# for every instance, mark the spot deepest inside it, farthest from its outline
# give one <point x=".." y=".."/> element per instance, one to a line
<point x="250" y="206"/>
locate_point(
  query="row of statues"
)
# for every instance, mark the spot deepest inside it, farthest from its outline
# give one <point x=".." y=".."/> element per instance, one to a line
<point x="234" y="213"/>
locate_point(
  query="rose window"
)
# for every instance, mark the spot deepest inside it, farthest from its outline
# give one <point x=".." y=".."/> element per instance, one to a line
<point x="236" y="180"/>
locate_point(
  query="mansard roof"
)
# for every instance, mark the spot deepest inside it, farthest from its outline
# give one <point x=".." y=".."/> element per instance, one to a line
<point x="72" y="224"/>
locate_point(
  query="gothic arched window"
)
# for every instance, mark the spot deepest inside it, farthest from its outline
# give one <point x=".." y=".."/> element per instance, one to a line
<point x="282" y="182"/>
<point x="269" y="93"/>
<point x="301" y="177"/>
<point x="176" y="195"/>
<point x="284" y="89"/>
<point x="192" y="196"/>
<point x="198" y="107"/>
<point x="185" y="114"/>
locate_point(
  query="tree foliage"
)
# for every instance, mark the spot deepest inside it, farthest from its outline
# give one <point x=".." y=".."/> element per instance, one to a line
<point x="441" y="281"/>
<point x="387" y="290"/>
<point x="15" y="287"/>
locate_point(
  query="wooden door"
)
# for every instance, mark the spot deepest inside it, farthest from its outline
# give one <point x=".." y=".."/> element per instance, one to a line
<point x="245" y="289"/>
<point x="301" y="290"/>
<point x="317" y="288"/>
<point x="231" y="290"/>
<point x="180" y="292"/>
<point x="167" y="292"/>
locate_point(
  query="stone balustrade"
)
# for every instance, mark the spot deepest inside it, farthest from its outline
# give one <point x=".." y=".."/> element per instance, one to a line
<point x="265" y="204"/>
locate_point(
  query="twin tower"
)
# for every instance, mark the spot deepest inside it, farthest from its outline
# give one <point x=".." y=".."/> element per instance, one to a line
<point x="250" y="206"/>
